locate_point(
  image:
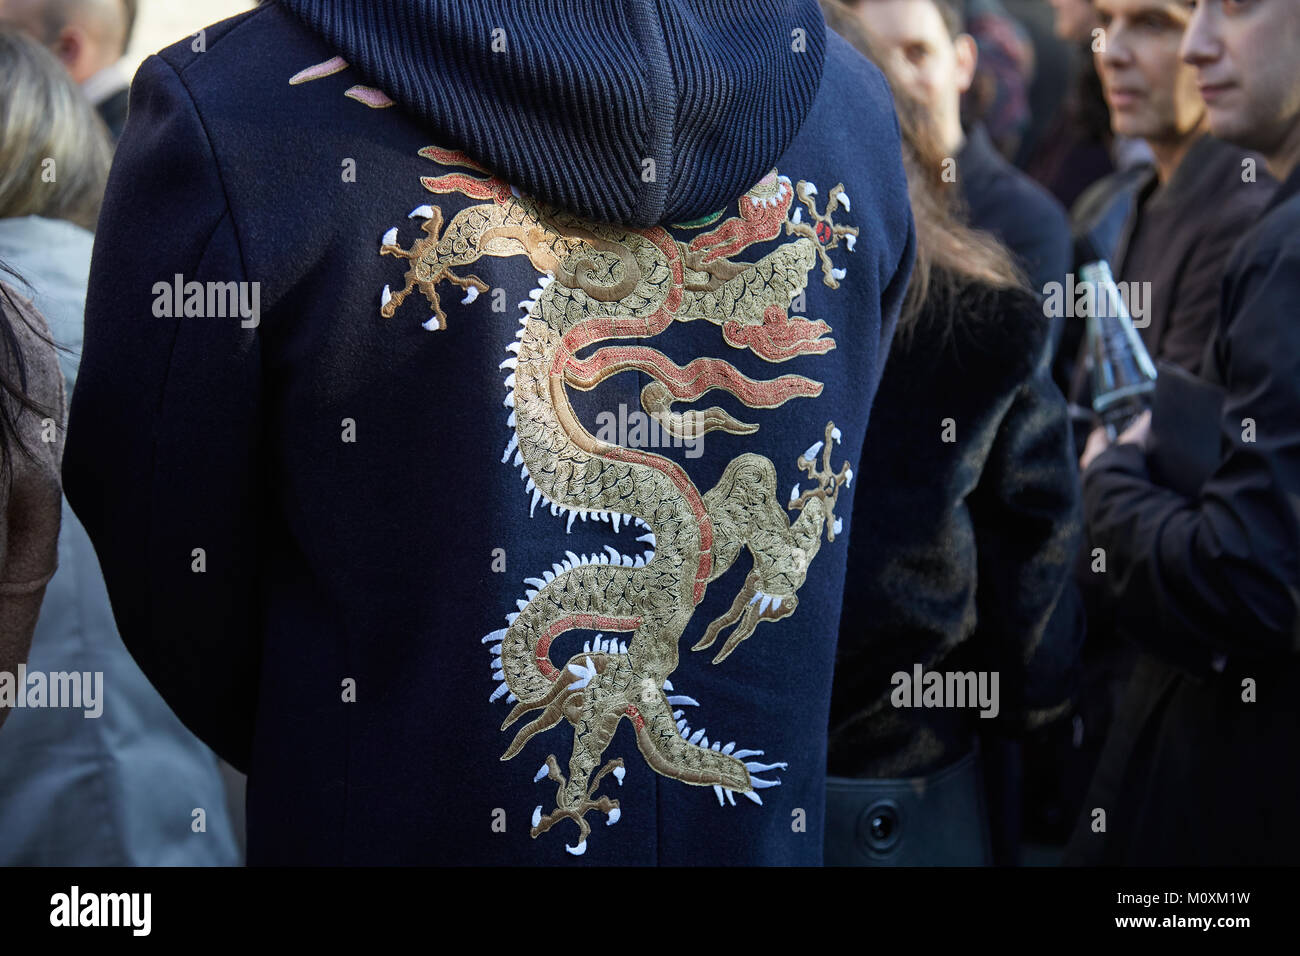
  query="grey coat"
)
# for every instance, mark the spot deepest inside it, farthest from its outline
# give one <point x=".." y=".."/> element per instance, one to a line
<point x="119" y="789"/>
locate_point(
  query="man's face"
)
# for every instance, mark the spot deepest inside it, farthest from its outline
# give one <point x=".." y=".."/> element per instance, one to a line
<point x="1247" y="59"/>
<point x="1152" y="94"/>
<point x="926" y="59"/>
<point x="1075" y="19"/>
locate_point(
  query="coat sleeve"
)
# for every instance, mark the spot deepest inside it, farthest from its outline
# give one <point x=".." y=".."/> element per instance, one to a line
<point x="164" y="459"/>
<point x="1219" y="574"/>
<point x="1026" y="516"/>
<point x="29" y="529"/>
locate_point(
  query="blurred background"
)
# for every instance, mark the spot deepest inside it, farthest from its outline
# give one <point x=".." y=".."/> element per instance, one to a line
<point x="133" y="787"/>
<point x="160" y="23"/>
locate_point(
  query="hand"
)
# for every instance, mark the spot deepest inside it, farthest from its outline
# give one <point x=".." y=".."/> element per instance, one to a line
<point x="1097" y="443"/>
<point x="1137" y="433"/>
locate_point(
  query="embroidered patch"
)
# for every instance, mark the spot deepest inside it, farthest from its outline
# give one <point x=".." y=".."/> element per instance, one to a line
<point x="375" y="99"/>
<point x="328" y="68"/>
<point x="599" y="282"/>
<point x="705" y="220"/>
<point x="823" y="228"/>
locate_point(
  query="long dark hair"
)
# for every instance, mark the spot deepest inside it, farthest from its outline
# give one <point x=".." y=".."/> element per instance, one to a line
<point x="14" y="400"/>
<point x="952" y="260"/>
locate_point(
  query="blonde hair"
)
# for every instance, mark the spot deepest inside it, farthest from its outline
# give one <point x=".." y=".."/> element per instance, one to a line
<point x="46" y="123"/>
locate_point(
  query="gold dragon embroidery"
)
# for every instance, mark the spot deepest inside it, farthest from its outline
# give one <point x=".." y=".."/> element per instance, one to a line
<point x="599" y="283"/>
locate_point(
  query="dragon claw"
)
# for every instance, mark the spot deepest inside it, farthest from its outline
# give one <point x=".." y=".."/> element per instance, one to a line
<point x="828" y="482"/>
<point x="581" y="805"/>
<point x="751" y="606"/>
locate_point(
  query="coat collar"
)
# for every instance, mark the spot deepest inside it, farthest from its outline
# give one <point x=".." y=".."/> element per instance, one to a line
<point x="1289" y="188"/>
<point x="979" y="161"/>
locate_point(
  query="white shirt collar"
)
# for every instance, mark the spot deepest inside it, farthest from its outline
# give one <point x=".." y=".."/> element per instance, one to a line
<point x="105" y="83"/>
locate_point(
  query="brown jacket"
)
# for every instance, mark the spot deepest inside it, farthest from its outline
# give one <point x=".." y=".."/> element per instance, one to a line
<point x="32" y="493"/>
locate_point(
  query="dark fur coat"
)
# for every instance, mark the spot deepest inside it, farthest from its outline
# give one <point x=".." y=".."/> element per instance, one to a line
<point x="962" y="548"/>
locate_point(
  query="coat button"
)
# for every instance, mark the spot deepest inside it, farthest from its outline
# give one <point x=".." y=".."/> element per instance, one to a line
<point x="880" y="827"/>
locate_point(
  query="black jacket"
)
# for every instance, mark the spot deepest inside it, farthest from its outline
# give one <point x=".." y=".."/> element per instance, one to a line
<point x="961" y="551"/>
<point x="1018" y="211"/>
<point x="1177" y="237"/>
<point x="1209" y="586"/>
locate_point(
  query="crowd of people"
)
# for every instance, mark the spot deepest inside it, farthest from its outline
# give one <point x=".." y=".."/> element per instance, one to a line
<point x="292" y="541"/>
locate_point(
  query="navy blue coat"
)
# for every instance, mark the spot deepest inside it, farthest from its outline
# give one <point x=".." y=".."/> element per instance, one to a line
<point x="352" y="539"/>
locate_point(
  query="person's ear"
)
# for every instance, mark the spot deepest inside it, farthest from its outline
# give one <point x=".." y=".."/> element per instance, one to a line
<point x="72" y="50"/>
<point x="967" y="58"/>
